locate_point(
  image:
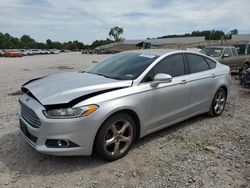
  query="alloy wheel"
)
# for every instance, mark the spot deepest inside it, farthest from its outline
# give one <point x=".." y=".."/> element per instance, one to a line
<point x="118" y="137"/>
<point x="220" y="100"/>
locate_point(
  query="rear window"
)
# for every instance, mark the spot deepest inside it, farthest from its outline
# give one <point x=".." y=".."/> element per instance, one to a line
<point x="197" y="63"/>
<point x="211" y="63"/>
<point x="213" y="52"/>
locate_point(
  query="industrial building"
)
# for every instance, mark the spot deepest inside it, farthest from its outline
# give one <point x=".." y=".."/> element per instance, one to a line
<point x="150" y="43"/>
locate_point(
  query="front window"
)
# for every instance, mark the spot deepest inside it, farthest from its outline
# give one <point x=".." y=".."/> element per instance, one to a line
<point x="212" y="52"/>
<point x="123" y="66"/>
<point x="172" y="65"/>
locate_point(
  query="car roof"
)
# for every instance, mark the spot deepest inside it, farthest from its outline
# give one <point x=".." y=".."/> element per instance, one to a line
<point x="158" y="52"/>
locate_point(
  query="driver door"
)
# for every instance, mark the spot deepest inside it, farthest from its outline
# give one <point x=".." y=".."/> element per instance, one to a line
<point x="168" y="102"/>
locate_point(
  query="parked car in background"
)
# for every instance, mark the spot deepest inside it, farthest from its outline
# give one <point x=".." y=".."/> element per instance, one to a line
<point x="26" y="51"/>
<point x="54" y="51"/>
<point x="45" y="51"/>
<point x="121" y="99"/>
<point x="36" y="51"/>
<point x="228" y="55"/>
<point x="1" y="53"/>
<point x="13" y="53"/>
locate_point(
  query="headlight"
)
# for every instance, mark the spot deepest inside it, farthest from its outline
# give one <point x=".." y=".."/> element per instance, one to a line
<point x="70" y="112"/>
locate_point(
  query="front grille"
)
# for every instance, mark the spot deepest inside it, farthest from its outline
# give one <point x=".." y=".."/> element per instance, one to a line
<point x="30" y="116"/>
<point x="27" y="133"/>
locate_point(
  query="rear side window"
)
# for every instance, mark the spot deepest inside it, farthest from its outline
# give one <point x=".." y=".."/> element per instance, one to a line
<point x="234" y="52"/>
<point x="228" y="52"/>
<point x="196" y="63"/>
<point x="172" y="65"/>
<point x="211" y="63"/>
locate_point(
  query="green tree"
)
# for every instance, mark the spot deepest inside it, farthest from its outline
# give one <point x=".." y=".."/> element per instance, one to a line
<point x="116" y="33"/>
<point x="97" y="43"/>
<point x="209" y="34"/>
<point x="49" y="44"/>
<point x="27" y="42"/>
<point x="234" y="32"/>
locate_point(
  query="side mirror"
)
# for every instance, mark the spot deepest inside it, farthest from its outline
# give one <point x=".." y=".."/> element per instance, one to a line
<point x="225" y="55"/>
<point x="161" y="78"/>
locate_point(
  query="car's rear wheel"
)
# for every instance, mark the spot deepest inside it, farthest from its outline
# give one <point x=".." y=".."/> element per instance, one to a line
<point x="115" y="137"/>
<point x="218" y="103"/>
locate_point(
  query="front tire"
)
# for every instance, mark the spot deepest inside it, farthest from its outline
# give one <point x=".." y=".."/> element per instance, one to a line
<point x="115" y="137"/>
<point x="218" y="103"/>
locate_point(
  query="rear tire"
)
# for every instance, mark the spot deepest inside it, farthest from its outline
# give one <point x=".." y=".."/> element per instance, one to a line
<point x="218" y="103"/>
<point x="115" y="137"/>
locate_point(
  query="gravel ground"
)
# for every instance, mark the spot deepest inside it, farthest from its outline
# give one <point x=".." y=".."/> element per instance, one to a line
<point x="199" y="152"/>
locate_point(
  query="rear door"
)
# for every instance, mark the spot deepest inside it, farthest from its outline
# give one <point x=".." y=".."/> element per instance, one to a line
<point x="202" y="82"/>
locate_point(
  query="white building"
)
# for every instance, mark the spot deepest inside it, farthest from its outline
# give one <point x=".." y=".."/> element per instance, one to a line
<point x="241" y="38"/>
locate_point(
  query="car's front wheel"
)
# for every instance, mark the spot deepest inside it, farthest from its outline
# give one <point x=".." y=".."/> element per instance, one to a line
<point x="115" y="137"/>
<point x="218" y="103"/>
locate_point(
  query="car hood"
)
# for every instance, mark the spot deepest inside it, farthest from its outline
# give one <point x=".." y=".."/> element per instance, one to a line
<point x="65" y="87"/>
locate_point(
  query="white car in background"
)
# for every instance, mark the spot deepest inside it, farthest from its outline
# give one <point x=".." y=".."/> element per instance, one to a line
<point x="54" y="51"/>
<point x="36" y="51"/>
<point x="1" y="53"/>
<point x="26" y="51"/>
<point x="45" y="51"/>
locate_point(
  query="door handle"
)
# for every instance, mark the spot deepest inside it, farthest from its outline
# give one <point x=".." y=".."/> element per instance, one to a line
<point x="213" y="75"/>
<point x="184" y="81"/>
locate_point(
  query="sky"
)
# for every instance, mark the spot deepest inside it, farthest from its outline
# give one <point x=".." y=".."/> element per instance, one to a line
<point x="89" y="20"/>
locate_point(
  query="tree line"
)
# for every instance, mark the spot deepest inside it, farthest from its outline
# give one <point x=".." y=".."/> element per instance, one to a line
<point x="209" y="34"/>
<point x="26" y="42"/>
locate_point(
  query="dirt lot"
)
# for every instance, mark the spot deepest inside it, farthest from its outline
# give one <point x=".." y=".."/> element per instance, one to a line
<point x="200" y="152"/>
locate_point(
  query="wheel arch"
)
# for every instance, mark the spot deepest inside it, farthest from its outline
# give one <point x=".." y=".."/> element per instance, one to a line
<point x="128" y="111"/>
<point x="225" y="88"/>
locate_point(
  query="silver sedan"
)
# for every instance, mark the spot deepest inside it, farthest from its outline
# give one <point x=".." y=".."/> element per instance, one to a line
<point x="106" y="108"/>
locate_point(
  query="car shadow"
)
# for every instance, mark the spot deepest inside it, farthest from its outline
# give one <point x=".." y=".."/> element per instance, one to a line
<point x="171" y="129"/>
<point x="18" y="156"/>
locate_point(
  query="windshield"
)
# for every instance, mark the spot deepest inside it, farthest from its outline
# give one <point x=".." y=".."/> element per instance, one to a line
<point x="213" y="52"/>
<point x="123" y="66"/>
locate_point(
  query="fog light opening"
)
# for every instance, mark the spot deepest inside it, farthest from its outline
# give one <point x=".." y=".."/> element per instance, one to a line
<point x="63" y="143"/>
<point x="60" y="143"/>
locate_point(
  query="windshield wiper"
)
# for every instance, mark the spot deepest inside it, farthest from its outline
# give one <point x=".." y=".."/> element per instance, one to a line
<point x="104" y="75"/>
<point x="111" y="77"/>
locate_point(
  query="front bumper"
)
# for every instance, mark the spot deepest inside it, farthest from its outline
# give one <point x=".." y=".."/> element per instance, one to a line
<point x="80" y="131"/>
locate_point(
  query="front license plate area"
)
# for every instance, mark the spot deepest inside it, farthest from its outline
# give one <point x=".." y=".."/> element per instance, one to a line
<point x="26" y="132"/>
<point x="23" y="127"/>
